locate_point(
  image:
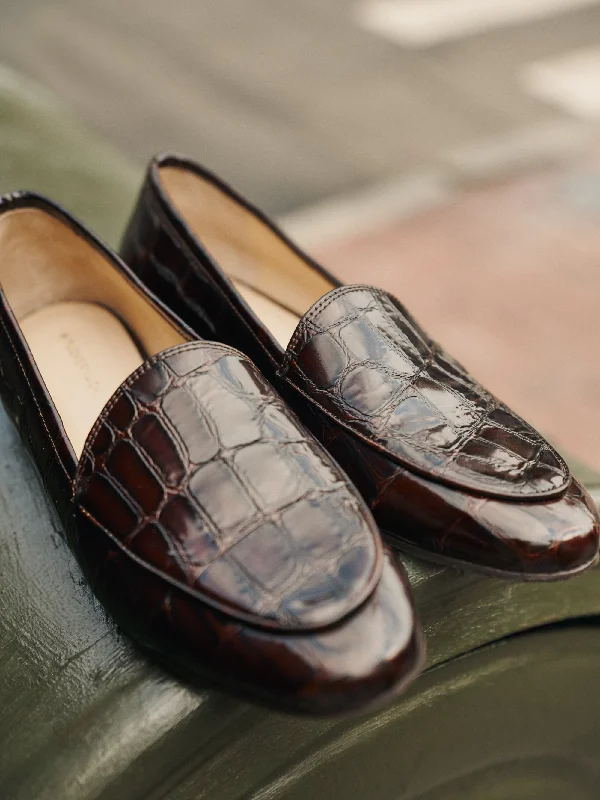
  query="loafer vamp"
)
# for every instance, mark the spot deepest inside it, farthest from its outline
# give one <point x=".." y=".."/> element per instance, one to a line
<point x="374" y="371"/>
<point x="198" y="471"/>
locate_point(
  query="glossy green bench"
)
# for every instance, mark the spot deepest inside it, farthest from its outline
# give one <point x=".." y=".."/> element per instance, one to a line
<point x="508" y="707"/>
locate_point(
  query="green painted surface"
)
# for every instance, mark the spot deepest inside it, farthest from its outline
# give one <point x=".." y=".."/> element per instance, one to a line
<point x="45" y="149"/>
<point x="84" y="716"/>
<point x="512" y="721"/>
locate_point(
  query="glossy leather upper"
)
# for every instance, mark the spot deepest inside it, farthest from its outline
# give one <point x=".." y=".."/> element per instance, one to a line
<point x="371" y="367"/>
<point x="197" y="470"/>
<point x="214" y="527"/>
<point x="446" y="468"/>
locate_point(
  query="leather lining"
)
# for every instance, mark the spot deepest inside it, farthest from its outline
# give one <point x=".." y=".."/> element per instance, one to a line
<point x="78" y="294"/>
<point x="248" y="250"/>
<point x="67" y="268"/>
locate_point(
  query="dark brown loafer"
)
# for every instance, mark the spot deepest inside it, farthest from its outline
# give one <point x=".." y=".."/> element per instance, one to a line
<point x="449" y="471"/>
<point x="212" y="525"/>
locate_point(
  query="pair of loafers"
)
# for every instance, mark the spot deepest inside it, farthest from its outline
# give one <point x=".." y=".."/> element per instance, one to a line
<point x="237" y="445"/>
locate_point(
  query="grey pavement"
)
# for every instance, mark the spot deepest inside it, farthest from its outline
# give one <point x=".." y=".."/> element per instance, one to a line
<point x="292" y="101"/>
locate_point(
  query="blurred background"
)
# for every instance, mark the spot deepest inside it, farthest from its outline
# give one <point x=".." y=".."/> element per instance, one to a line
<point x="448" y="150"/>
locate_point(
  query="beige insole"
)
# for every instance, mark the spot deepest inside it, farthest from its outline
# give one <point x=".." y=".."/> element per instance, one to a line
<point x="279" y="321"/>
<point x="83" y="353"/>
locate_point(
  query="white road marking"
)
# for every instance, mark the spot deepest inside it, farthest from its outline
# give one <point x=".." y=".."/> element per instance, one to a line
<point x="571" y="82"/>
<point x="420" y="23"/>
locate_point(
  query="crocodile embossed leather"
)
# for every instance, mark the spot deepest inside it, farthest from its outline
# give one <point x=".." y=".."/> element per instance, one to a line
<point x="369" y="364"/>
<point x="212" y="525"/>
<point x="449" y="471"/>
<point x="198" y="470"/>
